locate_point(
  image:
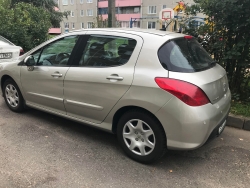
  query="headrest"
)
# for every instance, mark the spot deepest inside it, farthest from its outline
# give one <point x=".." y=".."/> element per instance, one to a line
<point x="96" y="48"/>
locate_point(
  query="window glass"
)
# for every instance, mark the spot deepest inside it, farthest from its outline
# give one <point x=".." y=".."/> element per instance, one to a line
<point x="107" y="51"/>
<point x="90" y="25"/>
<point x="82" y="12"/>
<point x="151" y="25"/>
<point x="152" y="9"/>
<point x="182" y="55"/>
<point x="36" y="55"/>
<point x="89" y="12"/>
<point x="137" y="10"/>
<point x="81" y="1"/>
<point x="65" y="2"/>
<point x="56" y="53"/>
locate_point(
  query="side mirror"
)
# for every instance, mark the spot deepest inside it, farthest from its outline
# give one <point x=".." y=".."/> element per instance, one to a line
<point x="29" y="61"/>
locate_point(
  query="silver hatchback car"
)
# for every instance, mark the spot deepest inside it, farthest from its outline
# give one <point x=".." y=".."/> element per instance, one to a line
<point x="154" y="89"/>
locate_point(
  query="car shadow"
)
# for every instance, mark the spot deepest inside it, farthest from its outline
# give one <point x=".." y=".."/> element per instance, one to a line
<point x="106" y="139"/>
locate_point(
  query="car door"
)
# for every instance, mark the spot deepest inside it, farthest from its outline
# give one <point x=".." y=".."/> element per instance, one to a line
<point x="102" y="75"/>
<point x="43" y="83"/>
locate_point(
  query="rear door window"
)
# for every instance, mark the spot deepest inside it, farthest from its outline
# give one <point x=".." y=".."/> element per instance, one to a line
<point x="107" y="51"/>
<point x="184" y="55"/>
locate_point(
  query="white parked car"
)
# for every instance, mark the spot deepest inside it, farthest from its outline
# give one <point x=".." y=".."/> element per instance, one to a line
<point x="9" y="51"/>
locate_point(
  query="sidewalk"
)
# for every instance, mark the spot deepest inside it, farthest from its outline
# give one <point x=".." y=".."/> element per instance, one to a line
<point x="239" y="122"/>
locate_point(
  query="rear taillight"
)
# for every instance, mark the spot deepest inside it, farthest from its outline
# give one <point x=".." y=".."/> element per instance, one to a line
<point x="190" y="94"/>
<point x="21" y="52"/>
<point x="188" y="37"/>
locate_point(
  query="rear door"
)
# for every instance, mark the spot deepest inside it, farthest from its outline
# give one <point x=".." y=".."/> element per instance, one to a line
<point x="187" y="60"/>
<point x="102" y="75"/>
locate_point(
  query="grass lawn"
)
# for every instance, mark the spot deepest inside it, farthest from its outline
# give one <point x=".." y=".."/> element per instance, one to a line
<point x="240" y="108"/>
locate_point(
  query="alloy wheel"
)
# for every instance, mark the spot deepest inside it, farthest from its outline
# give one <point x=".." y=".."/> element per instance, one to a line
<point x="12" y="95"/>
<point x="139" y="137"/>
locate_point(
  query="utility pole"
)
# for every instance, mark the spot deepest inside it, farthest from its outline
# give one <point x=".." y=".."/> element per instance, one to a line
<point x="111" y="13"/>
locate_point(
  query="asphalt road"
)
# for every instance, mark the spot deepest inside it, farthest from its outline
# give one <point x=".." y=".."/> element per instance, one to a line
<point x="41" y="150"/>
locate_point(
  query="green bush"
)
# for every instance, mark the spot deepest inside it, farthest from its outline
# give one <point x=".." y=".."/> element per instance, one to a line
<point x="228" y="25"/>
<point x="24" y="24"/>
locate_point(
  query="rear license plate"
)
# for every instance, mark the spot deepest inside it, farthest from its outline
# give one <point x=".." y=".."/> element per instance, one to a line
<point x="221" y="128"/>
<point x="5" y="55"/>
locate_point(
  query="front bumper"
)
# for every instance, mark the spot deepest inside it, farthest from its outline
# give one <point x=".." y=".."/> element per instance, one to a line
<point x="189" y="127"/>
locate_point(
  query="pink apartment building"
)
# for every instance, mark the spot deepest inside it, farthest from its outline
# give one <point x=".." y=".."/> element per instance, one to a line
<point x="125" y="10"/>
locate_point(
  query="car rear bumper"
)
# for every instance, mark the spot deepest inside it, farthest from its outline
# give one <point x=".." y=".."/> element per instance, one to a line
<point x="189" y="127"/>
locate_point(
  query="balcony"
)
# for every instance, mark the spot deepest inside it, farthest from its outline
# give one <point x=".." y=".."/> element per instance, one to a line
<point x="120" y="3"/>
<point x="123" y="17"/>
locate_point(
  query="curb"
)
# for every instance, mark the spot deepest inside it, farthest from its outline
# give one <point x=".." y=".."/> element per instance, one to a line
<point x="239" y="122"/>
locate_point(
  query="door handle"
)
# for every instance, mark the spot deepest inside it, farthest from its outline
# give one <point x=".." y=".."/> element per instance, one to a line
<point x="56" y="74"/>
<point x="115" y="77"/>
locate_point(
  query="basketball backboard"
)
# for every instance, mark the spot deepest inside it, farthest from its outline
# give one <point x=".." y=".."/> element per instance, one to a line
<point x="166" y="14"/>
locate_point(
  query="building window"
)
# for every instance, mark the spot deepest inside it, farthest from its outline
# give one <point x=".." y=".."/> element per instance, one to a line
<point x="71" y="2"/>
<point x="151" y="25"/>
<point x="72" y="13"/>
<point x="81" y="1"/>
<point x="66" y="25"/>
<point x="73" y="25"/>
<point x="82" y="25"/>
<point x="125" y="24"/>
<point x="136" y="24"/>
<point x="137" y="10"/>
<point x="102" y="11"/>
<point x="64" y="2"/>
<point x="152" y="9"/>
<point x="164" y="6"/>
<point x="90" y="25"/>
<point x="89" y="1"/>
<point x="82" y="13"/>
<point x="89" y="12"/>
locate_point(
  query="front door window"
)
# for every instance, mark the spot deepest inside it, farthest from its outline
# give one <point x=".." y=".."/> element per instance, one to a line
<point x="56" y="53"/>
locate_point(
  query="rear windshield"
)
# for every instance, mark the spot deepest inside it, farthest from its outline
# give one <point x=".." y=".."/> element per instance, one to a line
<point x="4" y="41"/>
<point x="184" y="55"/>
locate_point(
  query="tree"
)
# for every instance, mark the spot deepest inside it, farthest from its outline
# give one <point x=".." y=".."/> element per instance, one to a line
<point x="55" y="16"/>
<point x="24" y="24"/>
<point x="228" y="25"/>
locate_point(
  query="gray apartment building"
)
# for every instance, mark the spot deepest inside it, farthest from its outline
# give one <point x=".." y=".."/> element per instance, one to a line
<point x="144" y="13"/>
<point x="82" y="14"/>
<point x="150" y="11"/>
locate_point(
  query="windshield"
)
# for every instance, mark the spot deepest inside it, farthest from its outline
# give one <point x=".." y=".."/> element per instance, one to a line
<point x="183" y="55"/>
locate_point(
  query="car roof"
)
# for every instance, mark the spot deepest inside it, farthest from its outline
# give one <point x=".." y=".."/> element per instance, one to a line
<point x="128" y="30"/>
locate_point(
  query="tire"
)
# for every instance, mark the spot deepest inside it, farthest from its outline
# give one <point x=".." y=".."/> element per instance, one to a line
<point x="13" y="96"/>
<point x="141" y="136"/>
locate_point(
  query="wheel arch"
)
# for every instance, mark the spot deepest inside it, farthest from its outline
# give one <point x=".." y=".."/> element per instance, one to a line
<point x="125" y="109"/>
<point x="4" y="78"/>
